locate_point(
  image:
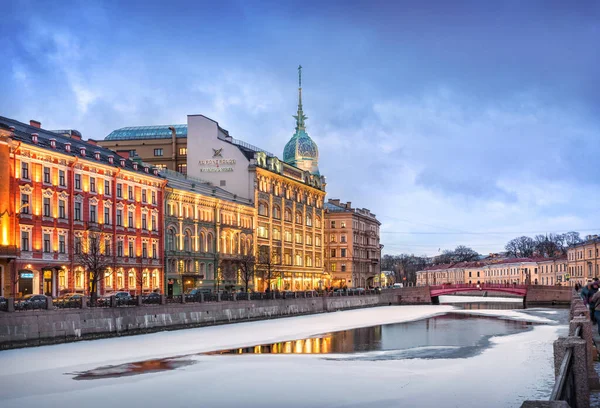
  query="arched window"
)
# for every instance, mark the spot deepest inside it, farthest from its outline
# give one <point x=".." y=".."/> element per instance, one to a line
<point x="202" y="269"/>
<point x="318" y="222"/>
<point x="288" y="215"/>
<point x="202" y="242"/>
<point x="209" y="243"/>
<point x="187" y="241"/>
<point x="276" y="212"/>
<point x="298" y="217"/>
<point x="263" y="209"/>
<point x="171" y="239"/>
<point x="211" y="271"/>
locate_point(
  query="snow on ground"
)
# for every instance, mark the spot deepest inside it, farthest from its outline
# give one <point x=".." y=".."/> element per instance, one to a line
<point x="506" y="314"/>
<point x="479" y="299"/>
<point x="518" y="367"/>
<point x="180" y="342"/>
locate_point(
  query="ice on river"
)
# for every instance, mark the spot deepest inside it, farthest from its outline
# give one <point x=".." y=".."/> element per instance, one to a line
<point x="516" y="367"/>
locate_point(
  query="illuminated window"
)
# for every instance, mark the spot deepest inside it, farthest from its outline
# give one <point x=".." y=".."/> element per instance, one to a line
<point x="108" y="278"/>
<point x="182" y="168"/>
<point x="276" y="212"/>
<point x="332" y="224"/>
<point x="183" y="151"/>
<point x="298" y="218"/>
<point x="131" y="279"/>
<point x="309" y="220"/>
<point x="276" y="234"/>
<point x="343" y="224"/>
<point x="79" y="279"/>
<point x="262" y="209"/>
<point x="24" y="203"/>
<point x="120" y="279"/>
<point x="158" y="152"/>
<point x="62" y="279"/>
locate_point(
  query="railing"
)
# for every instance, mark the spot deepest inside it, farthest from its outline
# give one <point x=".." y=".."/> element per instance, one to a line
<point x="481" y="285"/>
<point x="564" y="388"/>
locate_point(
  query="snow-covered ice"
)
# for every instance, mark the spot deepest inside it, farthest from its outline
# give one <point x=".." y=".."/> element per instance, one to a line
<point x="517" y="367"/>
<point x="479" y="299"/>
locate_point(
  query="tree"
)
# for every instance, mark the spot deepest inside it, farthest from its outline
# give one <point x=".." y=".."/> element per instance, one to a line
<point x="268" y="263"/>
<point x="572" y="238"/>
<point x="227" y="272"/>
<point x="246" y="265"/>
<point x="465" y="254"/>
<point x="521" y="247"/>
<point x="404" y="266"/>
<point x="546" y="247"/>
<point x="93" y="254"/>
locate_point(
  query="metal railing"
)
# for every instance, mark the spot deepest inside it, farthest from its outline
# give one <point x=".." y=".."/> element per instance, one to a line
<point x="564" y="387"/>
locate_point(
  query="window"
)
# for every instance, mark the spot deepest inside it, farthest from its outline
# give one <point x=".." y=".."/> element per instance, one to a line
<point x="132" y="153"/>
<point x="182" y="168"/>
<point x="154" y="197"/>
<point x="262" y="209"/>
<point x="46" y="175"/>
<point x="106" y="187"/>
<point x="308" y="239"/>
<point x="154" y="251"/>
<point x="332" y="238"/>
<point x="77" y="181"/>
<point x="154" y="223"/>
<point x="288" y="236"/>
<point x="298" y="237"/>
<point x="61" y="178"/>
<point x="343" y="224"/>
<point x="46" y="243"/>
<point x="144" y="196"/>
<point x="106" y="215"/>
<point x="77" y="243"/>
<point x="119" y="248"/>
<point x="144" y="221"/>
<point x="332" y="224"/>
<point x="183" y="151"/>
<point x="309" y="220"/>
<point x="158" y="152"/>
<point x="24" y="203"/>
<point x="25" y="170"/>
<point x="77" y="211"/>
<point x="119" y="190"/>
<point x="24" y="240"/>
<point x="120" y="218"/>
<point x="333" y="267"/>
<point x="343" y="238"/>
<point x="343" y="252"/>
<point x="276" y="212"/>
<point x="62" y="213"/>
<point x="333" y="253"/>
<point x="107" y="247"/>
<point x="318" y="240"/>
<point x="130" y="219"/>
<point x="46" y="207"/>
<point x="144" y="250"/>
<point x="93" y="211"/>
<point x="130" y="193"/>
<point x="93" y="184"/>
<point x="298" y="218"/>
<point x="61" y="245"/>
<point x="343" y="267"/>
<point x="276" y="234"/>
<point x="263" y="232"/>
<point x="130" y="250"/>
<point x="288" y="215"/>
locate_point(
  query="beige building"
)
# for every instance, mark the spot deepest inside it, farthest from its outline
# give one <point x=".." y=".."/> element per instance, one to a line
<point x="583" y="260"/>
<point x="164" y="147"/>
<point x="352" y="249"/>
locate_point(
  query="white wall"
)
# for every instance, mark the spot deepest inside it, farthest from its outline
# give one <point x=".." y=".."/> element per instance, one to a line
<point x="202" y="139"/>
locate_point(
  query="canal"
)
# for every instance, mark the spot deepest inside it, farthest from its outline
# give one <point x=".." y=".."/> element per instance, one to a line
<point x="464" y="353"/>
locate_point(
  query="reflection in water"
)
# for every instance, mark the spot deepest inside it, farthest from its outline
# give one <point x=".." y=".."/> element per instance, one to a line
<point x="457" y="334"/>
<point x="140" y="367"/>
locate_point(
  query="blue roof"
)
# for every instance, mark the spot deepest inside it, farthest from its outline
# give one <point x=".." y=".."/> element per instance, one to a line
<point x="147" y="132"/>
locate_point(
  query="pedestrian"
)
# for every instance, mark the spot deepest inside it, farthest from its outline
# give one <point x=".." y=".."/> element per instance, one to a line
<point x="593" y="290"/>
<point x="596" y="302"/>
<point x="584" y="293"/>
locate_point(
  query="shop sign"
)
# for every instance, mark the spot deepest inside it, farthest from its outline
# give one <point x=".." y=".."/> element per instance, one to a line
<point x="27" y="275"/>
<point x="217" y="164"/>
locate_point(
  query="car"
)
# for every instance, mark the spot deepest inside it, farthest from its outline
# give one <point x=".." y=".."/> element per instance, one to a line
<point x="32" y="302"/>
<point x="67" y="298"/>
<point x="397" y="285"/>
<point x="151" y="298"/>
<point x="195" y="292"/>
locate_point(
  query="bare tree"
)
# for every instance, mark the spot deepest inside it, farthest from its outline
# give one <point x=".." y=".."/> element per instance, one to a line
<point x="227" y="272"/>
<point x="464" y="254"/>
<point x="93" y="254"/>
<point x="546" y="247"/>
<point x="521" y="247"/>
<point x="572" y="238"/>
<point x="246" y="265"/>
<point x="268" y="264"/>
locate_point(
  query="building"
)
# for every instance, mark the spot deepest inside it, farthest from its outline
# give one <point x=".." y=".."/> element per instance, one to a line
<point x="352" y="249"/>
<point x="507" y="271"/>
<point x="58" y="194"/>
<point x="164" y="147"/>
<point x="583" y="260"/>
<point x="288" y="195"/>
<point x="199" y="218"/>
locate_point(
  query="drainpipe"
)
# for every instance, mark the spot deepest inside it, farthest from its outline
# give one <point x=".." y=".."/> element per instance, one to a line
<point x="17" y="217"/>
<point x="174" y="145"/>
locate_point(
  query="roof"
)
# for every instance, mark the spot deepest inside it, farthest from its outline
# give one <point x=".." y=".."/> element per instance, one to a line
<point x="480" y="264"/>
<point x="23" y="134"/>
<point x="147" y="132"/>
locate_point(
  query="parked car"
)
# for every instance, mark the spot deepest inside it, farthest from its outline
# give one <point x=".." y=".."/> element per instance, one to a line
<point x="67" y="298"/>
<point x="151" y="298"/>
<point x="397" y="285"/>
<point x="31" y="302"/>
<point x="195" y="292"/>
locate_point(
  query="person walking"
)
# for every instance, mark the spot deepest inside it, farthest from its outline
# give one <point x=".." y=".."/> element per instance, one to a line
<point x="596" y="301"/>
<point x="592" y="291"/>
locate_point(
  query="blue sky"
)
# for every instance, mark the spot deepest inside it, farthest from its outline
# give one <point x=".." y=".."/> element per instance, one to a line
<point x="455" y="122"/>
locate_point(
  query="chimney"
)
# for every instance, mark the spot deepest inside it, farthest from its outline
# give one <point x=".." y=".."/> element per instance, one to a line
<point x="111" y="159"/>
<point x="348" y="205"/>
<point x="334" y="201"/>
<point x="35" y="123"/>
<point x="92" y="142"/>
<point x="67" y="147"/>
<point x="82" y="151"/>
<point x="34" y="138"/>
<point x="122" y="162"/>
<point x="97" y="155"/>
<point x="53" y="143"/>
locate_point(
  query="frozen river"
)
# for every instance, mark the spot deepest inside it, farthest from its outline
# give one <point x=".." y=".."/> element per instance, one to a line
<point x="452" y="355"/>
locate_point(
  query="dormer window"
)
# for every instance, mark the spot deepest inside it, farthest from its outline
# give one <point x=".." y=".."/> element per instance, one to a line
<point x="53" y="143"/>
<point x="110" y="159"/>
<point x="67" y="147"/>
<point x="135" y="166"/>
<point x="155" y="171"/>
<point x="146" y="169"/>
<point x="97" y="155"/>
<point x="122" y="162"/>
<point x="82" y="151"/>
<point x="34" y="138"/>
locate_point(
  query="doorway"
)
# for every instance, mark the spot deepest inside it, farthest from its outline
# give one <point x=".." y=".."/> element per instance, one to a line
<point x="25" y="283"/>
<point x="47" y="281"/>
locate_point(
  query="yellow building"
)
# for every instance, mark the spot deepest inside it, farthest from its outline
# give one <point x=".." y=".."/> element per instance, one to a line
<point x="583" y="260"/>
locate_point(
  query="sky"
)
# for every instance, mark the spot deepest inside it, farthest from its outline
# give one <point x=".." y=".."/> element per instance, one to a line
<point x="456" y="123"/>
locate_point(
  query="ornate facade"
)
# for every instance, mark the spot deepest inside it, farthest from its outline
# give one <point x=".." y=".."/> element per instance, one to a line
<point x="61" y="191"/>
<point x="206" y="229"/>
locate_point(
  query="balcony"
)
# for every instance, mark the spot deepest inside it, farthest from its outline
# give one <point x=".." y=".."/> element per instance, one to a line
<point x="8" y="251"/>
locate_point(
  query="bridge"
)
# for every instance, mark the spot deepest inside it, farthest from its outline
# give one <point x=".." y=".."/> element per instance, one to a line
<point x="448" y="289"/>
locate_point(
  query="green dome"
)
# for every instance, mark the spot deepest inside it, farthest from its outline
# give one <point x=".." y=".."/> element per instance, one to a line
<point x="300" y="147"/>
